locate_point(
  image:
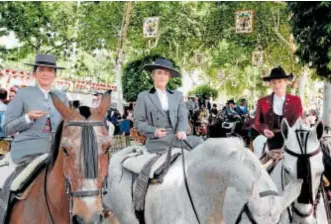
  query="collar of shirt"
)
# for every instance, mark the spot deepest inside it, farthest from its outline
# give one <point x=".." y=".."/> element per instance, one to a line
<point x="45" y="92"/>
<point x="278" y="104"/>
<point x="162" y="94"/>
<point x="161" y="91"/>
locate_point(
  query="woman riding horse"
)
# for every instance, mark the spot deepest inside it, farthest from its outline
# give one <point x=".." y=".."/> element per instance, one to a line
<point x="273" y="108"/>
<point x="160" y="113"/>
<point x="32" y="113"/>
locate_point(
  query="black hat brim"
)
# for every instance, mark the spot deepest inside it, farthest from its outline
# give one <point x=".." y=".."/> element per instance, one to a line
<point x="46" y="65"/>
<point x="150" y="67"/>
<point x="269" y="78"/>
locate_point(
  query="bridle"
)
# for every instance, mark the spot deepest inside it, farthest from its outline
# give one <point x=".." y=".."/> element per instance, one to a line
<point x="87" y="128"/>
<point x="304" y="172"/>
<point x="245" y="208"/>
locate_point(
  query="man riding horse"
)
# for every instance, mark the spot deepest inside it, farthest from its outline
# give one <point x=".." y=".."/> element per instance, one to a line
<point x="273" y="108"/>
<point x="160" y="113"/>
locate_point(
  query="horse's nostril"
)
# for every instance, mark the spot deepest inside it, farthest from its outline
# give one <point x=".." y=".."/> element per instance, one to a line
<point x="77" y="220"/>
<point x="97" y="219"/>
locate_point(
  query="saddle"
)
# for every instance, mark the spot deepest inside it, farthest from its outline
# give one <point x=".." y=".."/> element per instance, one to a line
<point x="136" y="161"/>
<point x="146" y="169"/>
<point x="16" y="179"/>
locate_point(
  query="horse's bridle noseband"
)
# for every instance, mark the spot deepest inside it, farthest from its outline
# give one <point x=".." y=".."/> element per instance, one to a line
<point x="245" y="208"/>
<point x="77" y="194"/>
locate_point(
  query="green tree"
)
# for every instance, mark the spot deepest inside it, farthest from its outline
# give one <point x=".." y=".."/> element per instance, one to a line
<point x="311" y="27"/>
<point x="39" y="26"/>
<point x="205" y="90"/>
<point x="135" y="80"/>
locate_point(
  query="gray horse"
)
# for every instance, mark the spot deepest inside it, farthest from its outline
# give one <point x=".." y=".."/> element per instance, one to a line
<point x="222" y="176"/>
<point x="301" y="142"/>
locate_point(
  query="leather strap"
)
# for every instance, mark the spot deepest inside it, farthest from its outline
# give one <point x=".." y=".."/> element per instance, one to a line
<point x="186" y="184"/>
<point x="81" y="194"/>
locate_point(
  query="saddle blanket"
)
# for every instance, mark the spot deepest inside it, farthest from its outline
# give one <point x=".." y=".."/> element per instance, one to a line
<point x="15" y="178"/>
<point x="135" y="161"/>
<point x="7" y="168"/>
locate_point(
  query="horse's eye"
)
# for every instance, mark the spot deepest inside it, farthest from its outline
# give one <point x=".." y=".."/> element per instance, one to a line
<point x="65" y="151"/>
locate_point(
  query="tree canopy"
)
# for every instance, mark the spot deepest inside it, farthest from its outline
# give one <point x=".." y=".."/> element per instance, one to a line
<point x="311" y="27"/>
<point x="85" y="36"/>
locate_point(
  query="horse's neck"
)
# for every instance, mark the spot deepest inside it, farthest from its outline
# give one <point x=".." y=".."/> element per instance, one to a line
<point x="56" y="185"/>
<point x="223" y="180"/>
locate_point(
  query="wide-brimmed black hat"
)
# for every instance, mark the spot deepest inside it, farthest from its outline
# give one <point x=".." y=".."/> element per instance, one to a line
<point x="162" y="63"/>
<point x="277" y="73"/>
<point x="46" y="60"/>
<point x="231" y="101"/>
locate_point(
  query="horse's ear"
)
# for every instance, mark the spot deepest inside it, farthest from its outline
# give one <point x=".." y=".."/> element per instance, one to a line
<point x="105" y="103"/>
<point x="319" y="127"/>
<point x="63" y="109"/>
<point x="284" y="128"/>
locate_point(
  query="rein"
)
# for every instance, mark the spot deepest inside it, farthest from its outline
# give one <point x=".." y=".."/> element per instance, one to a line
<point x="88" y="140"/>
<point x="245" y="208"/>
<point x="185" y="179"/>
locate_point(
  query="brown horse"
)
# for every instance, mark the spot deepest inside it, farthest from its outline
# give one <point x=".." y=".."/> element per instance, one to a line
<point x="70" y="188"/>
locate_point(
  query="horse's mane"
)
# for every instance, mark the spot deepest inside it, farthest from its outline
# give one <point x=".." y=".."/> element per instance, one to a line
<point x="56" y="145"/>
<point x="232" y="149"/>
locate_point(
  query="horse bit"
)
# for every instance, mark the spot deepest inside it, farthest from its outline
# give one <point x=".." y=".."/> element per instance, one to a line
<point x="79" y="194"/>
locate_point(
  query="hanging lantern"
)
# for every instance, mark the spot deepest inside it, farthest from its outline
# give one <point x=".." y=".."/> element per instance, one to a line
<point x="257" y="57"/>
<point x="244" y="21"/>
<point x="151" y="26"/>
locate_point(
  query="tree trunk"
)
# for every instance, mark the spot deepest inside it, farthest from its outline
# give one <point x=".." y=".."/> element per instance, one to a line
<point x="327" y="104"/>
<point x="302" y="84"/>
<point x="120" y="54"/>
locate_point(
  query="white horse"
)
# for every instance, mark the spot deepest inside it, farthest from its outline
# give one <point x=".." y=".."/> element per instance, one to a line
<point x="227" y="184"/>
<point x="301" y="153"/>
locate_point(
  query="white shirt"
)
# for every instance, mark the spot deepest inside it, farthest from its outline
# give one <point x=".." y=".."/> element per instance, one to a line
<point x="278" y="105"/>
<point x="163" y="98"/>
<point x="45" y="92"/>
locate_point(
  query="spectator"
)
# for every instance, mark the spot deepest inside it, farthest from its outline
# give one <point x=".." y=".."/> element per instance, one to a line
<point x="97" y="99"/>
<point x="242" y="109"/>
<point x="3" y="108"/>
<point x="125" y="126"/>
<point x="207" y="105"/>
<point x="12" y="92"/>
<point x="214" y="110"/>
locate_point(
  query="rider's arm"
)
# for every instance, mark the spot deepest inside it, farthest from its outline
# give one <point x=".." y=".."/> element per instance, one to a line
<point x="259" y="124"/>
<point x="15" y="120"/>
<point x="182" y="118"/>
<point x="140" y="118"/>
